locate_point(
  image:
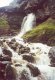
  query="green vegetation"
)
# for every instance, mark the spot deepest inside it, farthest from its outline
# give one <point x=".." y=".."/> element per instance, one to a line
<point x="44" y="33"/>
<point x="3" y="23"/>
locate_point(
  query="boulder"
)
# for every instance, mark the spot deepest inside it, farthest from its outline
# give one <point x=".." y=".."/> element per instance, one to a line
<point x="7" y="52"/>
<point x="34" y="70"/>
<point x="10" y="73"/>
<point x="13" y="40"/>
<point x="24" y="75"/>
<point x="28" y="58"/>
<point x="2" y="70"/>
<point x="5" y="58"/>
<point x="24" y="50"/>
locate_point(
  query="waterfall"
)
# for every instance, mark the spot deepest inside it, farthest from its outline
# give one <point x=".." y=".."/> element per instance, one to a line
<point x="28" y="23"/>
<point x="39" y="52"/>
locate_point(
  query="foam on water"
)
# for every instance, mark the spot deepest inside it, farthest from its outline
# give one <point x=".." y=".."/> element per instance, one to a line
<point x="40" y="50"/>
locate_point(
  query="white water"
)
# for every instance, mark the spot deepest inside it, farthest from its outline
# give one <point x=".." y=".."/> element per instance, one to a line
<point x="27" y="24"/>
<point x="40" y="50"/>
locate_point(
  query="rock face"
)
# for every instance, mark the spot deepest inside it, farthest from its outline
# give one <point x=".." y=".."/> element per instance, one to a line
<point x="43" y="9"/>
<point x="18" y="9"/>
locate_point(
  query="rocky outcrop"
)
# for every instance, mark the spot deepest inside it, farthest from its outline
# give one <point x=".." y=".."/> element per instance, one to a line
<point x="43" y="9"/>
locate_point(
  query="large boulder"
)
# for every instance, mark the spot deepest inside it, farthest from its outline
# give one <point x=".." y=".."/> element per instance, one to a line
<point x="34" y="70"/>
<point x="3" y="65"/>
<point x="10" y="73"/>
<point x="2" y="71"/>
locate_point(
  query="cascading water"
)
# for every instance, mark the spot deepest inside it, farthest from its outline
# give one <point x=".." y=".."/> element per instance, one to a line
<point x="38" y="55"/>
<point x="28" y="23"/>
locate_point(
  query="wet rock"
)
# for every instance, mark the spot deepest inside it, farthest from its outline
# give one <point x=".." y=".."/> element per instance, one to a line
<point x="33" y="54"/>
<point x="7" y="52"/>
<point x="13" y="47"/>
<point x="29" y="58"/>
<point x="2" y="75"/>
<point x="2" y="66"/>
<point x="13" y="40"/>
<point x="34" y="70"/>
<point x="10" y="73"/>
<point x="24" y="50"/>
<point x="2" y="70"/>
<point x="11" y="43"/>
<point x="5" y="58"/>
<point x="20" y="46"/>
<point x="52" y="56"/>
<point x="24" y="75"/>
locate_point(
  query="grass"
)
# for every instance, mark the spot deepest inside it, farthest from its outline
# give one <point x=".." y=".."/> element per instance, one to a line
<point x="3" y="23"/>
<point x="44" y="33"/>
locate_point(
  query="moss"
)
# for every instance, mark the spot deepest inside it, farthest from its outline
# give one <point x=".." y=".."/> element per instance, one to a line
<point x="44" y="33"/>
<point x="3" y="23"/>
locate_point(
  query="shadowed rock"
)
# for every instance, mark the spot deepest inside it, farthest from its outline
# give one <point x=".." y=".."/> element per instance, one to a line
<point x="24" y="75"/>
<point x="10" y="73"/>
<point x="7" y="52"/>
<point x="24" y="50"/>
<point x="34" y="70"/>
<point x="3" y="65"/>
<point x="5" y="58"/>
<point x="29" y="58"/>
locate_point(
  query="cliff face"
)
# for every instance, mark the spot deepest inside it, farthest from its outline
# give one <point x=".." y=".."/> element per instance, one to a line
<point x="42" y="8"/>
<point x="15" y="13"/>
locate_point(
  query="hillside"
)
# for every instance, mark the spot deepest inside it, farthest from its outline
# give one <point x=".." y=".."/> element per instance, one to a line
<point x="44" y="33"/>
<point x="18" y="9"/>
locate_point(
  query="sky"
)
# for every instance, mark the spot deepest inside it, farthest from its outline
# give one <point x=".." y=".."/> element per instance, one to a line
<point x="5" y="2"/>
